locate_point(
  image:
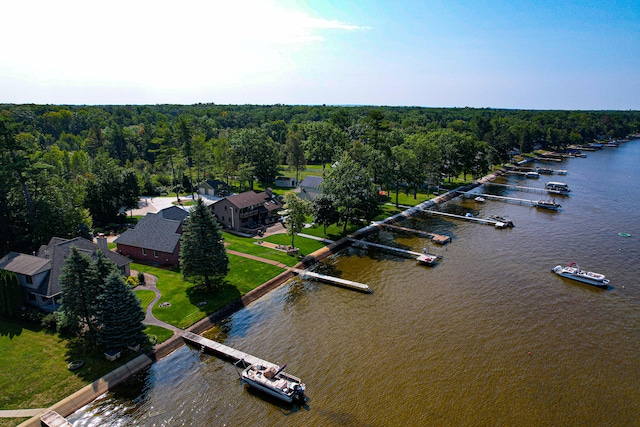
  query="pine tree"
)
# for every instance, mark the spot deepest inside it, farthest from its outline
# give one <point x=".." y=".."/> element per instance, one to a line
<point x="120" y="315"/>
<point x="10" y="296"/>
<point x="202" y="253"/>
<point x="78" y="297"/>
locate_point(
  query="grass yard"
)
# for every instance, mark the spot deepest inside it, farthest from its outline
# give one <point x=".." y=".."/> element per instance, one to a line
<point x="190" y="303"/>
<point x="145" y="297"/>
<point x="304" y="244"/>
<point x="34" y="373"/>
<point x="248" y="245"/>
<point x="157" y="334"/>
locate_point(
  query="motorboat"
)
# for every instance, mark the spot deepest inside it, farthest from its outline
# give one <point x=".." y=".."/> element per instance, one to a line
<point x="548" y="204"/>
<point x="479" y="199"/>
<point x="544" y="170"/>
<point x="532" y="175"/>
<point x="573" y="272"/>
<point x="561" y="171"/>
<point x="427" y="259"/>
<point x="557" y="188"/>
<point x="274" y="382"/>
<point x="506" y="221"/>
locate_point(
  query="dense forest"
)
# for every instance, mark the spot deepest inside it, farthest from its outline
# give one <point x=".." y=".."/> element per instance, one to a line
<point x="69" y="169"/>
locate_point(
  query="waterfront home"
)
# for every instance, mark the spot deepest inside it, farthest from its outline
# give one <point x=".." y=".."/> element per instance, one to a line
<point x="247" y="212"/>
<point x="38" y="274"/>
<point x="310" y="187"/>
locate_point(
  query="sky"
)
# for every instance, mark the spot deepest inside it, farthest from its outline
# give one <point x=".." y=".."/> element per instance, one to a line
<point x="520" y="54"/>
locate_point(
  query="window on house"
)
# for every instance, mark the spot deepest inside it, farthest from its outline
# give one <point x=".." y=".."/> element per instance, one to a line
<point x="144" y="252"/>
<point x="155" y="254"/>
<point x="29" y="280"/>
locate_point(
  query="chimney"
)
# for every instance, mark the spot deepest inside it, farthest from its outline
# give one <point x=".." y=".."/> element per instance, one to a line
<point x="269" y="192"/>
<point x="102" y="243"/>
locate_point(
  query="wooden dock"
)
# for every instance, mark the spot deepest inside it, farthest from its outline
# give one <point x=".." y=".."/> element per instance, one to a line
<point x="493" y="222"/>
<point x="437" y="238"/>
<point x="54" y="419"/>
<point x="519" y="188"/>
<point x="506" y="199"/>
<point x="306" y="274"/>
<point x="238" y="357"/>
<point x="405" y="252"/>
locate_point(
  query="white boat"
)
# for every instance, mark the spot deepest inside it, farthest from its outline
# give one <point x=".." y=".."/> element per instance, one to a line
<point x="275" y="383"/>
<point x="479" y="199"/>
<point x="572" y="271"/>
<point x="532" y="175"/>
<point x="427" y="259"/>
<point x="561" y="172"/>
<point x="548" y="204"/>
<point x="557" y="188"/>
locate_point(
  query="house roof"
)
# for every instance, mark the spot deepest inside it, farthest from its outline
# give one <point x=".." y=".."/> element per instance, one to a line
<point x="251" y="198"/>
<point x="312" y="182"/>
<point x="214" y="183"/>
<point x="156" y="231"/>
<point x="28" y="265"/>
<point x="57" y="251"/>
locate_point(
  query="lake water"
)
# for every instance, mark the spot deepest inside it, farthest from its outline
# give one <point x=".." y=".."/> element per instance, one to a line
<point x="490" y="336"/>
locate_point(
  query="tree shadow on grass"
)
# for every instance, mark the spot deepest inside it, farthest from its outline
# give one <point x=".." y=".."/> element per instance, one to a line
<point x="10" y="328"/>
<point x="95" y="364"/>
<point x="211" y="300"/>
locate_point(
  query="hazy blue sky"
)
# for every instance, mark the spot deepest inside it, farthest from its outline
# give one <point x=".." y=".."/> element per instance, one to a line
<point x="504" y="54"/>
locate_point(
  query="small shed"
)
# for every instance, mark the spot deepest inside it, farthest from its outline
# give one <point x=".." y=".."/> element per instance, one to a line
<point x="286" y="182"/>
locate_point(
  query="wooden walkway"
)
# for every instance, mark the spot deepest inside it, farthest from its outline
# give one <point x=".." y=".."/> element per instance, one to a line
<point x="305" y="274"/>
<point x="405" y="252"/>
<point x="438" y="238"/>
<point x="53" y="419"/>
<point x="238" y="357"/>
<point x="507" y="199"/>
<point x="493" y="222"/>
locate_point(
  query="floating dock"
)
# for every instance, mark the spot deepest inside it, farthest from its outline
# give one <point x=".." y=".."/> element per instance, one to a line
<point x="239" y="358"/>
<point x="405" y="252"/>
<point x="437" y="238"/>
<point x="306" y="274"/>
<point x="493" y="222"/>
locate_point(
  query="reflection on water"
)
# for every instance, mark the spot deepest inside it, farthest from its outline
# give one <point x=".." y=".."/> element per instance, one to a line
<point x="490" y="336"/>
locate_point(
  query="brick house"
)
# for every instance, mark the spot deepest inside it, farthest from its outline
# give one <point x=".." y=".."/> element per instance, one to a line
<point x="247" y="212"/>
<point x="156" y="237"/>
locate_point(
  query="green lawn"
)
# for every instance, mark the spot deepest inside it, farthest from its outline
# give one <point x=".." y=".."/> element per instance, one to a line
<point x="34" y="373"/>
<point x="304" y="244"/>
<point x="158" y="334"/>
<point x="190" y="303"/>
<point x="146" y="297"/>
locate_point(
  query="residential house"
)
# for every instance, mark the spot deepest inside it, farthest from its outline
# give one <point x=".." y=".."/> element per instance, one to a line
<point x="213" y="187"/>
<point x="310" y="187"/>
<point x="39" y="274"/>
<point x="156" y="237"/>
<point x="247" y="212"/>
<point x="286" y="182"/>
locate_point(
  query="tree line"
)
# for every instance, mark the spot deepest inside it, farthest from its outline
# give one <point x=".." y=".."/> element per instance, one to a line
<point x="69" y="169"/>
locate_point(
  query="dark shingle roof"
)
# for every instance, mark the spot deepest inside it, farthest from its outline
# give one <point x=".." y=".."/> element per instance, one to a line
<point x="251" y="198"/>
<point x="312" y="182"/>
<point x="28" y="265"/>
<point x="156" y="231"/>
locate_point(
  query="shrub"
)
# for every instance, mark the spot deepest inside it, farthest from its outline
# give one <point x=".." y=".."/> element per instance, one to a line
<point x="132" y="281"/>
<point x="141" y="278"/>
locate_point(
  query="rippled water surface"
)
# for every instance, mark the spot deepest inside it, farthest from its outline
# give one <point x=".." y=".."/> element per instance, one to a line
<point x="490" y="336"/>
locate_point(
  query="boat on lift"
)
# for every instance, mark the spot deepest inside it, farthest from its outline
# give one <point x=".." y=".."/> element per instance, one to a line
<point x="548" y="204"/>
<point x="573" y="272"/>
<point x="532" y="175"/>
<point x="556" y="187"/>
<point x="275" y="382"/>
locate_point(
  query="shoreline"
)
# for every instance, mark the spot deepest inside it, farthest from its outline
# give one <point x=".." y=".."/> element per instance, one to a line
<point x="90" y="392"/>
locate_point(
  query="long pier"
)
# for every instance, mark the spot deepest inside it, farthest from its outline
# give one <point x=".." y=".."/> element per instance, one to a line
<point x="238" y="357"/>
<point x="362" y="287"/>
<point x="438" y="238"/>
<point x="506" y="199"/>
<point x="519" y="188"/>
<point x="493" y="222"/>
<point x="405" y="252"/>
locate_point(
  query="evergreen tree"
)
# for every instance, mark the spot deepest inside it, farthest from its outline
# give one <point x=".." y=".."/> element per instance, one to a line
<point x="10" y="297"/>
<point x="78" y="297"/>
<point x="120" y="315"/>
<point x="202" y="253"/>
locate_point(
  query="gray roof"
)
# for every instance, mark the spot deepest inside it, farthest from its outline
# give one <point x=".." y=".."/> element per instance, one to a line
<point x="56" y="252"/>
<point x="28" y="265"/>
<point x="312" y="182"/>
<point x="251" y="198"/>
<point x="156" y="231"/>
